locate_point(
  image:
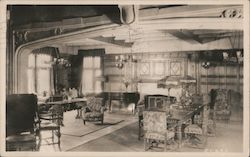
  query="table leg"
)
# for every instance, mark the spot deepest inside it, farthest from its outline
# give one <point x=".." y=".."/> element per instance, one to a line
<point x="139" y="131"/>
<point x="79" y="107"/>
<point x="179" y="134"/>
<point x="140" y="127"/>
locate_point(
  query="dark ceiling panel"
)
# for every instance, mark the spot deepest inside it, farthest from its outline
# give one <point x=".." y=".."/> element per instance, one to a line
<point x="26" y="14"/>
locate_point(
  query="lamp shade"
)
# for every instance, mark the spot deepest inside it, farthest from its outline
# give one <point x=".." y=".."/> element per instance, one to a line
<point x="168" y="82"/>
<point x="187" y="79"/>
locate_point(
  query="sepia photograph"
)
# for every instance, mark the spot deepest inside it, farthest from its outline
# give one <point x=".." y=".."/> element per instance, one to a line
<point x="145" y="78"/>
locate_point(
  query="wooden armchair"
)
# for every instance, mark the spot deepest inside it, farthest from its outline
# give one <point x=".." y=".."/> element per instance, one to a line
<point x="196" y="130"/>
<point x="52" y="121"/>
<point x="221" y="106"/>
<point x="94" y="110"/>
<point x="151" y="102"/>
<point x="22" y="131"/>
<point x="156" y="130"/>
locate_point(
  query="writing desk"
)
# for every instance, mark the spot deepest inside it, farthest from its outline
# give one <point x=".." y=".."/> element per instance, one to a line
<point x="78" y="103"/>
<point x="63" y="102"/>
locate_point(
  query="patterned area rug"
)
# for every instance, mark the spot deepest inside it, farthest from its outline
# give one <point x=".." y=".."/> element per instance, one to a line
<point x="75" y="127"/>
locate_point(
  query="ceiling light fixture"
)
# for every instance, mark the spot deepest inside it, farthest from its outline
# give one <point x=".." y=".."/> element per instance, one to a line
<point x="60" y="60"/>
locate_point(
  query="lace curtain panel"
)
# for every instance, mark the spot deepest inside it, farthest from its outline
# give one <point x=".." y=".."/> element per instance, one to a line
<point x="91" y="71"/>
<point x="40" y="75"/>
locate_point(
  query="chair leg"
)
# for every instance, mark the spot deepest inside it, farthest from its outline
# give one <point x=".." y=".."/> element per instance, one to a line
<point x="39" y="141"/>
<point x="84" y="122"/>
<point x="59" y="141"/>
<point x="145" y="144"/>
<point x="52" y="136"/>
<point x="59" y="137"/>
<point x="139" y="131"/>
<point x="165" y="145"/>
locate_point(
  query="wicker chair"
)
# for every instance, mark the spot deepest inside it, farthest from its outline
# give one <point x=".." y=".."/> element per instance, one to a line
<point x="156" y="130"/>
<point x="94" y="110"/>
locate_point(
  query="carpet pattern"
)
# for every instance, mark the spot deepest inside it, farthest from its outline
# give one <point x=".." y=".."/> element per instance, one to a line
<point x="78" y="129"/>
<point x="122" y="140"/>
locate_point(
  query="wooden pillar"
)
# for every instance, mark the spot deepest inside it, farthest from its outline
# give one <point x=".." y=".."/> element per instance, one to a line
<point x="238" y="78"/>
<point x="205" y="113"/>
<point x="10" y="51"/>
<point x="198" y="76"/>
<point x="226" y="75"/>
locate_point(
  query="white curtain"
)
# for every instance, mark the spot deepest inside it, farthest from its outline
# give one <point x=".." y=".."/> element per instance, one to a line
<point x="91" y="72"/>
<point x="40" y="78"/>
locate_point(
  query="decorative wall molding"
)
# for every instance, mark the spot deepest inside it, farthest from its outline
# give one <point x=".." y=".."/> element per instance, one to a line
<point x="180" y="17"/>
<point x="58" y="31"/>
<point x="200" y="11"/>
<point x="232" y="13"/>
<point x="21" y="37"/>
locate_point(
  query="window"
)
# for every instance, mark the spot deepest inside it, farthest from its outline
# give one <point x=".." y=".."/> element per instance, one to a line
<point x="39" y="74"/>
<point x="91" y="72"/>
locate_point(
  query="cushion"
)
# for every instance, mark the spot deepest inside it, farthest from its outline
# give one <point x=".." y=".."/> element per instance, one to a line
<point x="21" y="138"/>
<point x="193" y="129"/>
<point x="92" y="115"/>
<point x="158" y="136"/>
<point x="95" y="104"/>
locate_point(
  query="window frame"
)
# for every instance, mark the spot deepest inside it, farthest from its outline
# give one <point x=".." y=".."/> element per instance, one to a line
<point x="94" y="77"/>
<point x="35" y="70"/>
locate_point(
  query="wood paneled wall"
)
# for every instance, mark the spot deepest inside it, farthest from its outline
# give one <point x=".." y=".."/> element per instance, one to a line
<point x="222" y="76"/>
<point x="150" y="67"/>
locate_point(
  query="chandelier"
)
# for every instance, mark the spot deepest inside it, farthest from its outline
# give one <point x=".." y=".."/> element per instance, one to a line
<point x="237" y="55"/>
<point x="61" y="61"/>
<point x="124" y="58"/>
<point x="234" y="57"/>
<point x="206" y="64"/>
<point x="58" y="60"/>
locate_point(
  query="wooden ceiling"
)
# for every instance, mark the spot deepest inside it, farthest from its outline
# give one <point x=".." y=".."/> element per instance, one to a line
<point x="194" y="25"/>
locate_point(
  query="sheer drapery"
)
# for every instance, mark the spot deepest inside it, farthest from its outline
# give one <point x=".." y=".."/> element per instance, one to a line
<point x="92" y="71"/>
<point x="40" y="72"/>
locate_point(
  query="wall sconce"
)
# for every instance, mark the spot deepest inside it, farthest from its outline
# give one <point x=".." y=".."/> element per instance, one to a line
<point x="239" y="56"/>
<point x="225" y="56"/>
<point x="233" y="59"/>
<point x="206" y="64"/>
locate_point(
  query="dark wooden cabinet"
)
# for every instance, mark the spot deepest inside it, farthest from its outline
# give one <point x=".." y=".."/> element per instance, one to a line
<point x="158" y="101"/>
<point x="125" y="98"/>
